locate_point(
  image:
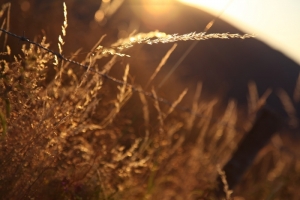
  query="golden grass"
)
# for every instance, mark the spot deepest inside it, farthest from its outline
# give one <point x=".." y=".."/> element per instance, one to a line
<point x="74" y="134"/>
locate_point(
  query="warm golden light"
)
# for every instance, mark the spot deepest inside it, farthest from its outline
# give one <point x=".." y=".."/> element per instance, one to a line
<point x="272" y="21"/>
<point x="155" y="13"/>
<point x="156" y="7"/>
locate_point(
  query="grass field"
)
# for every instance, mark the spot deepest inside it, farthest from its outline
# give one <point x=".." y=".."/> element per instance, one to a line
<point x="71" y="130"/>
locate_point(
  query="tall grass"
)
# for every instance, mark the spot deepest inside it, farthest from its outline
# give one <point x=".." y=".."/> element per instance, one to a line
<point x="75" y="134"/>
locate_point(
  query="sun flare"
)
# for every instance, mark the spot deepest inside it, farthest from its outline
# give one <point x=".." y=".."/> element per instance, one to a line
<point x="161" y="12"/>
<point x="273" y="21"/>
<point x="156" y="7"/>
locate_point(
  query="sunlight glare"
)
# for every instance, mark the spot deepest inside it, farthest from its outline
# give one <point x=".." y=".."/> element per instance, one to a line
<point x="274" y="22"/>
<point x="155" y="13"/>
<point x="156" y="7"/>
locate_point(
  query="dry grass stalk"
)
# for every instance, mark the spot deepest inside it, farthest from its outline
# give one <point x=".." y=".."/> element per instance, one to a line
<point x="191" y="119"/>
<point x="63" y="29"/>
<point x="165" y="38"/>
<point x="125" y="93"/>
<point x="107" y="67"/>
<point x="161" y="115"/>
<point x="254" y="102"/>
<point x="146" y="116"/>
<point x="252" y="97"/>
<point x="96" y="56"/>
<point x="145" y="110"/>
<point x="289" y="107"/>
<point x="176" y="102"/>
<point x="220" y="128"/>
<point x="204" y="124"/>
<point x="262" y="100"/>
<point x="297" y="91"/>
<point x="6" y="21"/>
<point x="225" y="184"/>
<point x="161" y="64"/>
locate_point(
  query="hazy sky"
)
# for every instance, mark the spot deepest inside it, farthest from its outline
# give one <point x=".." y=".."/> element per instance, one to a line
<point x="277" y="22"/>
